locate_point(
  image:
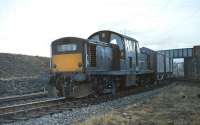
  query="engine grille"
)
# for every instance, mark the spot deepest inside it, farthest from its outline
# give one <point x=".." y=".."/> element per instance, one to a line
<point x="92" y="55"/>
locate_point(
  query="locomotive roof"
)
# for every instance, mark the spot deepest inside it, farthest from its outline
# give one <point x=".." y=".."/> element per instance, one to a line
<point x="64" y="39"/>
<point x="121" y="35"/>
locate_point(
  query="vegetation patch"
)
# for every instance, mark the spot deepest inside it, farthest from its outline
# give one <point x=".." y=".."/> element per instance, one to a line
<point x="177" y="106"/>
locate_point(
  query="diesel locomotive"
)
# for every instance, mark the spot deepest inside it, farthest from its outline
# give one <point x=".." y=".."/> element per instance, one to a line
<point x="106" y="62"/>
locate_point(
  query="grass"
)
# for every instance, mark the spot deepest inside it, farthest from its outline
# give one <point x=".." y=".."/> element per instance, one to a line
<point x="108" y="119"/>
<point x="177" y="106"/>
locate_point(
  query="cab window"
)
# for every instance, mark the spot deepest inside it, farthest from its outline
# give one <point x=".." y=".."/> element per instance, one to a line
<point x="67" y="47"/>
<point x="117" y="40"/>
<point x="95" y="37"/>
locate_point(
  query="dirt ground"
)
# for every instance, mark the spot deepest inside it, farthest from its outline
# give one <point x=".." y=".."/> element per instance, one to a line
<point x="179" y="105"/>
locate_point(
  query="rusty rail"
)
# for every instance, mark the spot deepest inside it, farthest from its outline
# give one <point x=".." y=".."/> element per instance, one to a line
<point x="25" y="96"/>
<point x="14" y="109"/>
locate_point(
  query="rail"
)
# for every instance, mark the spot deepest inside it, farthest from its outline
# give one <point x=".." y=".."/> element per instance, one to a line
<point x="25" y="96"/>
<point x="13" y="109"/>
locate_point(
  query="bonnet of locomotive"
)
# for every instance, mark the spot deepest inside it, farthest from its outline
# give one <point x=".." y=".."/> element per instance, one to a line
<point x="68" y="55"/>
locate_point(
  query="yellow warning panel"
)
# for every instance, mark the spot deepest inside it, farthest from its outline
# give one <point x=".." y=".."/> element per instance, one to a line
<point x="67" y="62"/>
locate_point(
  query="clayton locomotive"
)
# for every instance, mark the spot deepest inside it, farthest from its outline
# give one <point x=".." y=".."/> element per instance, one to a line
<point x="106" y="62"/>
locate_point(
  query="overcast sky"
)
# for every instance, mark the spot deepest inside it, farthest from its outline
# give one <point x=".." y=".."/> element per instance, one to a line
<point x="29" y="26"/>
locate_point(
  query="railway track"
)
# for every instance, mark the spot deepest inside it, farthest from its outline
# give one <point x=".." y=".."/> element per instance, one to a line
<point x="7" y="112"/>
<point x="53" y="105"/>
<point x="23" y="97"/>
<point x="38" y="108"/>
